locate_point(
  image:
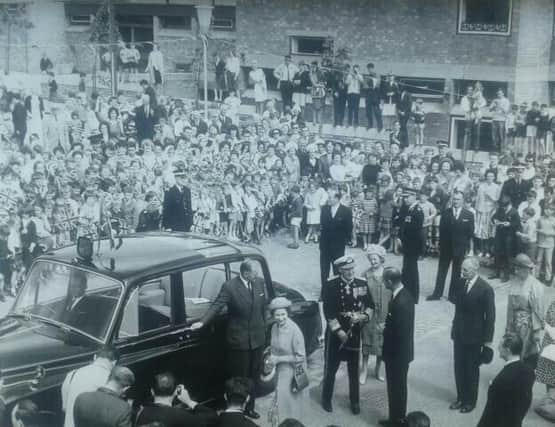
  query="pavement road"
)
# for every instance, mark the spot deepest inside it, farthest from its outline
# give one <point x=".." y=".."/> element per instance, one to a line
<point x="431" y="381"/>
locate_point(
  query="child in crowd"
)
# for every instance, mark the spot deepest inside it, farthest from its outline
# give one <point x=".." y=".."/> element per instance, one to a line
<point x="296" y="213"/>
<point x="528" y="236"/>
<point x="545" y="243"/>
<point x="429" y="214"/>
<point x="419" y="117"/>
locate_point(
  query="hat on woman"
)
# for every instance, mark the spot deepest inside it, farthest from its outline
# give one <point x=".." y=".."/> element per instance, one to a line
<point x="279" y="302"/>
<point x="523" y="260"/>
<point x="378" y="250"/>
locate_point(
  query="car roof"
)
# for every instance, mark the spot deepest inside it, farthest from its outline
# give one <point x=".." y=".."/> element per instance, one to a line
<point x="144" y="254"/>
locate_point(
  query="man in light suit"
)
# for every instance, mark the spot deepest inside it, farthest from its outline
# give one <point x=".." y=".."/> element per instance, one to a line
<point x="398" y="346"/>
<point x="472" y="331"/>
<point x="456" y="229"/>
<point x="510" y="393"/>
<point x="245" y="299"/>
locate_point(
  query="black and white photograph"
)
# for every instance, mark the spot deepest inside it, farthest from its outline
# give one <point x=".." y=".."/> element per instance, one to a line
<point x="277" y="213"/>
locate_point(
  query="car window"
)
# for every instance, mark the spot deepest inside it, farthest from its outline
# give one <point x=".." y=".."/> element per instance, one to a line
<point x="200" y="287"/>
<point x="68" y="295"/>
<point x="148" y="308"/>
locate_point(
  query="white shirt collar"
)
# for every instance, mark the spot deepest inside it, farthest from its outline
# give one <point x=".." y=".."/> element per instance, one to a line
<point x="471" y="283"/>
<point x="512" y="359"/>
<point x="244" y="281"/>
<point x="396" y="292"/>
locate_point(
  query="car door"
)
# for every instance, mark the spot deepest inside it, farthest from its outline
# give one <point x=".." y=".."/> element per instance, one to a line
<point x="204" y="367"/>
<point x="147" y="333"/>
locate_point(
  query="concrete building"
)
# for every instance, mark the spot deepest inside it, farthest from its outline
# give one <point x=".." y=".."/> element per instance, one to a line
<point x="437" y="47"/>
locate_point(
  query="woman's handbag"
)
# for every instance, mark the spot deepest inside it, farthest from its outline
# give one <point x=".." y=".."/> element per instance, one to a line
<point x="300" y="378"/>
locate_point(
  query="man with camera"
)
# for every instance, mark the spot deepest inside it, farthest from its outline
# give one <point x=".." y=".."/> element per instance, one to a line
<point x="173" y="406"/>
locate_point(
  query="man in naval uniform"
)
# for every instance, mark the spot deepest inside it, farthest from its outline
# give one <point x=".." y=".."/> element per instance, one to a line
<point x="411" y="220"/>
<point x="348" y="305"/>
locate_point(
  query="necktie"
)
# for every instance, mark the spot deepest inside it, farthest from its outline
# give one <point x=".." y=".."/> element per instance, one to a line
<point x="466" y="283"/>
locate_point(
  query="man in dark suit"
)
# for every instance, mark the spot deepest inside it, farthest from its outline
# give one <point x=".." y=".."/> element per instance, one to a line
<point x="516" y="188"/>
<point x="411" y="219"/>
<point x="145" y="119"/>
<point x="106" y="406"/>
<point x="77" y="310"/>
<point x="398" y="346"/>
<point x="236" y="396"/>
<point x="472" y="330"/>
<point x="186" y="413"/>
<point x="245" y="299"/>
<point x="372" y="98"/>
<point x="510" y="393"/>
<point x="456" y="229"/>
<point x="404" y="111"/>
<point x="177" y="210"/>
<point x="19" y="118"/>
<point x="336" y="225"/>
<point x="348" y="305"/>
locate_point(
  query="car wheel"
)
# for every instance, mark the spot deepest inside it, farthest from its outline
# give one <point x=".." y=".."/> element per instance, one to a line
<point x="268" y="375"/>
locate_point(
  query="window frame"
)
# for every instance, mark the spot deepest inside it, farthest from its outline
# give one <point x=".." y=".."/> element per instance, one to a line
<point x="176" y="320"/>
<point x="230" y="15"/>
<point x="80" y="22"/>
<point x="186" y="27"/>
<point x="461" y="14"/>
<point x="294" y="45"/>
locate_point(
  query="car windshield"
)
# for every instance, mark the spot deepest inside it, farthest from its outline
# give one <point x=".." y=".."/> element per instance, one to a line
<point x="70" y="297"/>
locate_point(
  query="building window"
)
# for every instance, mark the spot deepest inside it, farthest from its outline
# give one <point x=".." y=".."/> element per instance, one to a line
<point x="223" y="18"/>
<point x="309" y="45"/>
<point x="80" y="20"/>
<point x="175" y="22"/>
<point x="485" y="17"/>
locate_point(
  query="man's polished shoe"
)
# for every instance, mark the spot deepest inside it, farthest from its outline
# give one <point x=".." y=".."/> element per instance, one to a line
<point x="433" y="298"/>
<point x="252" y="414"/>
<point x="327" y="406"/>
<point x="456" y="405"/>
<point x="355" y="408"/>
<point x="466" y="409"/>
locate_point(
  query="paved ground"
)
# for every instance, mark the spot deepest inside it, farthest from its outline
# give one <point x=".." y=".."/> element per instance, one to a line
<point x="431" y="383"/>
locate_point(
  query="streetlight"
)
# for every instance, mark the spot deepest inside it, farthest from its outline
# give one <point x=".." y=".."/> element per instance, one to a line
<point x="204" y="17"/>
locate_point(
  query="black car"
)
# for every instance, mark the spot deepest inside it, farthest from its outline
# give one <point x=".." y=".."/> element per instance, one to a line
<point x="140" y="293"/>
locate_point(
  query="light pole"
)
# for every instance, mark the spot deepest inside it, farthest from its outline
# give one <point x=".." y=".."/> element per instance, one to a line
<point x="204" y="16"/>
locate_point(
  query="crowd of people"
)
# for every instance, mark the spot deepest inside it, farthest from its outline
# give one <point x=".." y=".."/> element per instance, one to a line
<point x="97" y="166"/>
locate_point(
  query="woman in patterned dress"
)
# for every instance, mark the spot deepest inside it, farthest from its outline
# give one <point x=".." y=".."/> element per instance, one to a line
<point x="367" y="223"/>
<point x="545" y="371"/>
<point x="486" y="203"/>
<point x="372" y="332"/>
<point x="525" y="309"/>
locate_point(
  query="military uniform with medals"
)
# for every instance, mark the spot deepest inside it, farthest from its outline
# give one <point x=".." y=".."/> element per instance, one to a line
<point x="347" y="306"/>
